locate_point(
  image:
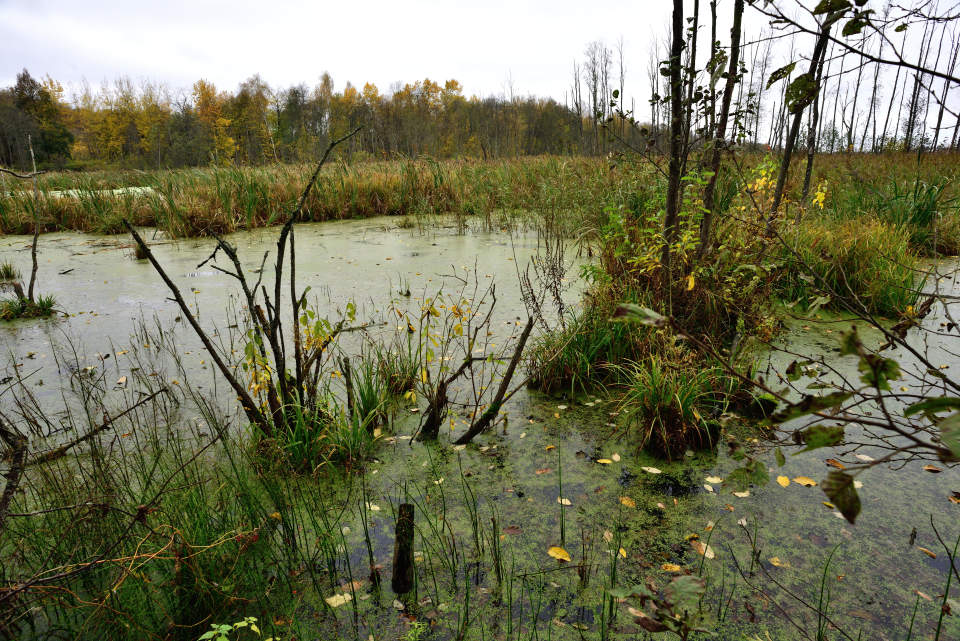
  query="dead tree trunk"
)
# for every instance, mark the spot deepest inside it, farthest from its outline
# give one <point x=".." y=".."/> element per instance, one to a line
<point x="402" y="581"/>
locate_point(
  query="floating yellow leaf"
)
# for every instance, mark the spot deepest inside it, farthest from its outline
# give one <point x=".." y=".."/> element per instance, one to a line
<point x="742" y="495"/>
<point x="714" y="479"/>
<point x="550" y="447"/>
<point x="623" y="553"/>
<point x="671" y="567"/>
<point x="563" y="501"/>
<point x="559" y="553"/>
<point x="604" y="461"/>
<point x="932" y="555"/>
<point x="615" y="456"/>
<point x="701" y="549"/>
<point x="627" y="501"/>
<point x="864" y="457"/>
<point x="835" y="463"/>
<point x="607" y="536"/>
<point x="275" y="515"/>
<point x="337" y="600"/>
<point x="650" y="470"/>
<point x="777" y="562"/>
<point x="805" y="481"/>
<point x="708" y="487"/>
<point x="783" y="481"/>
<point x="829" y="505"/>
<point x="932" y="468"/>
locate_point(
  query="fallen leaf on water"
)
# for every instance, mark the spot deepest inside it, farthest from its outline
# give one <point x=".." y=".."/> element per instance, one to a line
<point x="857" y="484"/>
<point x="701" y="549"/>
<point x="661" y="506"/>
<point x="563" y="501"/>
<point x="728" y="507"/>
<point x="615" y="457"/>
<point x="512" y="529"/>
<point x="550" y="447"/>
<point x="337" y="600"/>
<point x="650" y="470"/>
<point x="783" y="481"/>
<point x="671" y="567"/>
<point x="623" y="553"/>
<point x="742" y="495"/>
<point x="742" y="522"/>
<point x="829" y="505"/>
<point x="931" y="468"/>
<point x="864" y="457"/>
<point x="708" y="487"/>
<point x="777" y="562"/>
<point x="276" y="515"/>
<point x="627" y="501"/>
<point x="373" y="507"/>
<point x="714" y="479"/>
<point x="398" y="604"/>
<point x="805" y="481"/>
<point x="604" y="461"/>
<point x="607" y="536"/>
<point x="543" y="470"/>
<point x="835" y="463"/>
<point x="925" y="596"/>
<point x="559" y="553"/>
<point x="929" y="553"/>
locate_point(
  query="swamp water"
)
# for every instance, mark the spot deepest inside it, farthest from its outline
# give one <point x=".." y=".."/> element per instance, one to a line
<point x="487" y="514"/>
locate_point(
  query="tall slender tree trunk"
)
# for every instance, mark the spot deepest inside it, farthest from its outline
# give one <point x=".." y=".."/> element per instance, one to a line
<point x="811" y="141"/>
<point x="718" y="141"/>
<point x="893" y="97"/>
<point x="946" y="90"/>
<point x="818" y="52"/>
<point x="672" y="213"/>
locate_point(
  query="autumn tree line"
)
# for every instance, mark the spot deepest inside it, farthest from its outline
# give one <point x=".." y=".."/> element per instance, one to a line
<point x="863" y="103"/>
<point x="147" y="126"/>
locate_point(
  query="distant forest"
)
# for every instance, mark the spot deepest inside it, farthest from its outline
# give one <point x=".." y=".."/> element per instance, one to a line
<point x="142" y="126"/>
<point x="860" y="108"/>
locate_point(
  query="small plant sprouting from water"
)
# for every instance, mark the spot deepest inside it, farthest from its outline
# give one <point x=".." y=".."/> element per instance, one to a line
<point x="8" y="272"/>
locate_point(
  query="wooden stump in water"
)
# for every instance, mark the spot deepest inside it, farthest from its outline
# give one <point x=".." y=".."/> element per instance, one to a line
<point x="403" y="551"/>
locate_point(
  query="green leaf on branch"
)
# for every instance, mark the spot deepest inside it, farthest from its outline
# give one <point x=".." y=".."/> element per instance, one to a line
<point x="878" y="371"/>
<point x="809" y="405"/>
<point x="933" y="405"/>
<point x="781" y="73"/>
<point x="839" y="488"/>
<point x="831" y="6"/>
<point x="817" y="436"/>
<point x="950" y="435"/>
<point x="801" y="92"/>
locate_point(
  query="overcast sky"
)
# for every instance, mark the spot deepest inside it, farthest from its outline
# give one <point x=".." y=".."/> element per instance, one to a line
<point x="481" y="44"/>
